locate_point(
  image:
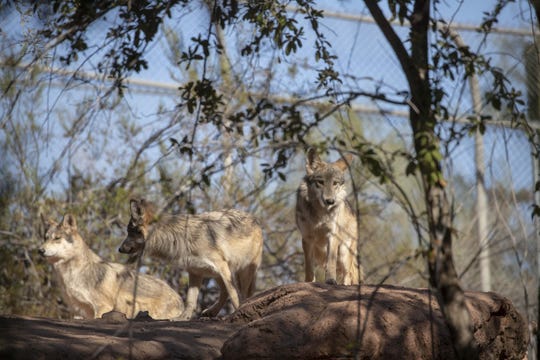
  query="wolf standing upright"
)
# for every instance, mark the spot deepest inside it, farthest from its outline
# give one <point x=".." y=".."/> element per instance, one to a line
<point x="326" y="222"/>
<point x="92" y="286"/>
<point x="224" y="245"/>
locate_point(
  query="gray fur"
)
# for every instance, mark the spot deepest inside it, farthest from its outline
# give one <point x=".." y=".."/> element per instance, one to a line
<point x="225" y="245"/>
<point x="326" y="222"/>
<point x="92" y="286"/>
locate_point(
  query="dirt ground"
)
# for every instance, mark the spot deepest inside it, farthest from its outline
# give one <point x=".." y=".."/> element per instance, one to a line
<point x="290" y="321"/>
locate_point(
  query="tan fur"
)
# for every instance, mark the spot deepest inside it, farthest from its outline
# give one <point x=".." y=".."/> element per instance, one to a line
<point x="92" y="286"/>
<point x="224" y="245"/>
<point x="327" y="223"/>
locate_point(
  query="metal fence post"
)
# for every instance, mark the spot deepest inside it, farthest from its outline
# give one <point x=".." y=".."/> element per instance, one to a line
<point x="481" y="195"/>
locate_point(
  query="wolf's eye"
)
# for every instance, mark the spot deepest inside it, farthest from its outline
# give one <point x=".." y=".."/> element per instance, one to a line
<point x="132" y="229"/>
<point x="319" y="182"/>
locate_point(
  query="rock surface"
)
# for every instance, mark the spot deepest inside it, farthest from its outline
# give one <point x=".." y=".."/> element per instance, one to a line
<point x="321" y="321"/>
<point x="291" y="321"/>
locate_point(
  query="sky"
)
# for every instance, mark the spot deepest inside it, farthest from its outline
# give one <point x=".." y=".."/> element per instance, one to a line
<point x="515" y="14"/>
<point x="364" y="58"/>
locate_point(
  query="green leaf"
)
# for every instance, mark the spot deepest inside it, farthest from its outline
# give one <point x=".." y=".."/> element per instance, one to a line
<point x="535" y="212"/>
<point x="411" y="168"/>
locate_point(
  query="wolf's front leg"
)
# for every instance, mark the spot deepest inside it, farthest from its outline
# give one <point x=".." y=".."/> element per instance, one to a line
<point x="308" y="260"/>
<point x="331" y="259"/>
<point x="195" y="282"/>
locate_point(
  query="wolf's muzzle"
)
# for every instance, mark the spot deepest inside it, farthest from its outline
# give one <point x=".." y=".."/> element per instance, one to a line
<point x="123" y="250"/>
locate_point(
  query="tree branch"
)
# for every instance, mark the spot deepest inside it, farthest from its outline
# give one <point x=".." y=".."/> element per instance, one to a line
<point x="393" y="39"/>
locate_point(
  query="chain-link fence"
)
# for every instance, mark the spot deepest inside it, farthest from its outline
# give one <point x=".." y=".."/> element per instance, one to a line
<point x="390" y="246"/>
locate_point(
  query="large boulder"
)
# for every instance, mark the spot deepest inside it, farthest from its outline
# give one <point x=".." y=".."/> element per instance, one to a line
<point x="308" y="320"/>
<point x="299" y="321"/>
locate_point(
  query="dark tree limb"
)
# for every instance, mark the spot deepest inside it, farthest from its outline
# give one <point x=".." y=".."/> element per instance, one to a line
<point x="443" y="276"/>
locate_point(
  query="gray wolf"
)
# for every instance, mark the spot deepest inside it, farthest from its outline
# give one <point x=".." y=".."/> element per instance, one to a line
<point x="223" y="245"/>
<point x="93" y="286"/>
<point x="326" y="221"/>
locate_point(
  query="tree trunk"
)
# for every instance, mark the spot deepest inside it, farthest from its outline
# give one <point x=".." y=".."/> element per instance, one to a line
<point x="443" y="276"/>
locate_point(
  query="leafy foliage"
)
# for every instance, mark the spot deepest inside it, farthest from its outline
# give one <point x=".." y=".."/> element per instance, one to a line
<point x="228" y="140"/>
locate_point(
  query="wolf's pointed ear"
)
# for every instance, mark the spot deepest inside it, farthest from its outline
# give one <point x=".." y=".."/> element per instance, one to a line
<point x="69" y="222"/>
<point x="344" y="163"/>
<point x="47" y="222"/>
<point x="312" y="160"/>
<point x="136" y="208"/>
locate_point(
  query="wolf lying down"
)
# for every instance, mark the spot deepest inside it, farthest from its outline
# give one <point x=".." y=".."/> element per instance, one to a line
<point x="93" y="286"/>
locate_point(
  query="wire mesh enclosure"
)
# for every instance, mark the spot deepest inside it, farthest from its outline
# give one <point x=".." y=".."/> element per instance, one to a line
<point x="72" y="141"/>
